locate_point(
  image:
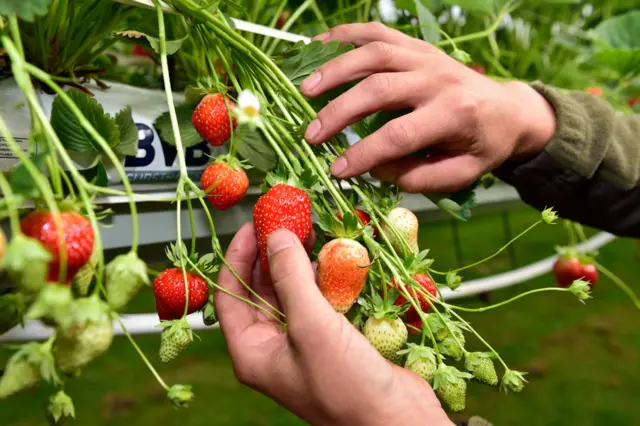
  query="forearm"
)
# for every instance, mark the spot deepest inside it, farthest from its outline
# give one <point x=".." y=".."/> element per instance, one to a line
<point x="590" y="170"/>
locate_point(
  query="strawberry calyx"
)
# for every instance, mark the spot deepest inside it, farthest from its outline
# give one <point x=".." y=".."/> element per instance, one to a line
<point x="447" y="374"/>
<point x="234" y="162"/>
<point x="39" y="355"/>
<point x="417" y="352"/>
<point x="177" y="254"/>
<point x="418" y="263"/>
<point x="60" y="408"/>
<point x="513" y="381"/>
<point x="180" y="395"/>
<point x="375" y="306"/>
<point x="349" y="227"/>
<point x="203" y="87"/>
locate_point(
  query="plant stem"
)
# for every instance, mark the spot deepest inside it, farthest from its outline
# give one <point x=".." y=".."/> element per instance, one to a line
<point x="506" y="302"/>
<point x="501" y="249"/>
<point x="14" y="217"/>
<point x="620" y="283"/>
<point x="142" y="355"/>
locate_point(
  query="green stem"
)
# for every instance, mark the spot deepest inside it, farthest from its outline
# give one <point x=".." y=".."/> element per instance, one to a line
<point x="501" y="249"/>
<point x="14" y="217"/>
<point x="104" y="146"/>
<point x="142" y="355"/>
<point x="620" y="283"/>
<point x="506" y="302"/>
<point x="192" y="223"/>
<point x="294" y="17"/>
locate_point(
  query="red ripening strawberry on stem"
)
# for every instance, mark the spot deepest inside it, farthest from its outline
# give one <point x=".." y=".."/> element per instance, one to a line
<point x="77" y="236"/>
<point x="211" y="119"/>
<point x="225" y="182"/>
<point x="569" y="268"/>
<point x="169" y="290"/>
<point x="427" y="286"/>
<point x="283" y="206"/>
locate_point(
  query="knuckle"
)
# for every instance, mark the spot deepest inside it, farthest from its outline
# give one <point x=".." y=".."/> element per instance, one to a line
<point x="412" y="184"/>
<point x="377" y="27"/>
<point x="379" y="84"/>
<point x="382" y="51"/>
<point x="399" y="133"/>
<point x="465" y="105"/>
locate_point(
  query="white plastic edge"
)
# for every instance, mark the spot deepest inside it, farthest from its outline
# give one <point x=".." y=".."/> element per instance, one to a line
<point x="146" y="323"/>
<point x="240" y="25"/>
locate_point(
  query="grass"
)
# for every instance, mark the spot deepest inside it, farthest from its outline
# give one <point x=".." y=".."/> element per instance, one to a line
<point x="582" y="359"/>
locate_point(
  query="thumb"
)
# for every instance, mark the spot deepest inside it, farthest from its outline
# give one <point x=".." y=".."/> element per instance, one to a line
<point x="294" y="279"/>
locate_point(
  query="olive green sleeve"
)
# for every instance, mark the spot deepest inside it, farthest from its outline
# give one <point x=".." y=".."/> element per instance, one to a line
<point x="592" y="139"/>
<point x="590" y="170"/>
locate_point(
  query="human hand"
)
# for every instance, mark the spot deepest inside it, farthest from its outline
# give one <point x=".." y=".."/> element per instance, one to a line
<point x="469" y="123"/>
<point x="322" y="369"/>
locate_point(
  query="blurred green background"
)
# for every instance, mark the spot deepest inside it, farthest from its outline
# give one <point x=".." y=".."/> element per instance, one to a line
<point x="582" y="359"/>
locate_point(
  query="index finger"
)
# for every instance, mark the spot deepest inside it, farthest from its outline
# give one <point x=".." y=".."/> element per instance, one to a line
<point x="236" y="315"/>
<point x="361" y="34"/>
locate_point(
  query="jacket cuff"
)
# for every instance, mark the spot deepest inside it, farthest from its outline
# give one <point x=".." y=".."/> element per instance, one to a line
<point x="583" y="128"/>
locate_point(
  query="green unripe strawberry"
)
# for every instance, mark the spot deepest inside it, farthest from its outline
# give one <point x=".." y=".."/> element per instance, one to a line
<point x="24" y="370"/>
<point x="26" y="261"/>
<point x="175" y="338"/>
<point x="421" y="360"/>
<point x="125" y="276"/>
<point x="83" y="279"/>
<point x="513" y="381"/>
<point x="80" y="344"/>
<point x="451" y="387"/>
<point x="19" y="375"/>
<point x="388" y="335"/>
<point x="481" y="366"/>
<point x="406" y="224"/>
<point x="450" y="347"/>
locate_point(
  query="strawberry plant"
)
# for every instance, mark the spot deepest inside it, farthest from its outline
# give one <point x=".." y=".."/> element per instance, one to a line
<point x="244" y="94"/>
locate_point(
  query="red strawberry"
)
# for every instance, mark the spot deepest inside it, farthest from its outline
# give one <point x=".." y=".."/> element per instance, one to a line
<point x="632" y="102"/>
<point x="283" y="206"/>
<point x="567" y="270"/>
<point x="428" y="286"/>
<point x="283" y="18"/>
<point x="364" y="218"/>
<point x="479" y="69"/>
<point x="169" y="290"/>
<point x="78" y="240"/>
<point x="225" y="184"/>
<point x="417" y="324"/>
<point x="589" y="273"/>
<point x="211" y="119"/>
<point x="343" y="266"/>
<point x="139" y="50"/>
<point x="595" y="91"/>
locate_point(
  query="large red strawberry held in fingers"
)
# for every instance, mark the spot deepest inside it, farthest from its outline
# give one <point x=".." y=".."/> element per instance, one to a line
<point x="283" y="206"/>
<point x="211" y="119"/>
<point x="77" y="238"/>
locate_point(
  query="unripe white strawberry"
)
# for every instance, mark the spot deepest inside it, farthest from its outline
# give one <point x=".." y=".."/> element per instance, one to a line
<point x="387" y="335"/>
<point x="406" y="224"/>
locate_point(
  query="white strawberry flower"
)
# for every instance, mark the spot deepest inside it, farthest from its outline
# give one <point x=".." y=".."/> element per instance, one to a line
<point x="248" y="108"/>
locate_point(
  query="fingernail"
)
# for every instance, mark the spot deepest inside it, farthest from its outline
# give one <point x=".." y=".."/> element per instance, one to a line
<point x="313" y="130"/>
<point x="339" y="166"/>
<point x="321" y="37"/>
<point x="279" y="240"/>
<point x="311" y="82"/>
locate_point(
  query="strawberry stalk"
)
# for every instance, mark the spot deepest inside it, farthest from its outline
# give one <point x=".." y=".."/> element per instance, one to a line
<point x="14" y="219"/>
<point x="620" y="283"/>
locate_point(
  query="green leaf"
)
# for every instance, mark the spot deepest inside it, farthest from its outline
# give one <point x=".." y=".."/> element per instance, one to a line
<point x="154" y="42"/>
<point x="486" y="7"/>
<point x="21" y="181"/>
<point x="625" y="62"/>
<point x="254" y="148"/>
<point x="428" y="23"/>
<point x="303" y="59"/>
<point x="128" y="133"/>
<point x="188" y="133"/>
<point x="621" y="32"/>
<point x="101" y="176"/>
<point x="69" y="130"/>
<point x="26" y="10"/>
